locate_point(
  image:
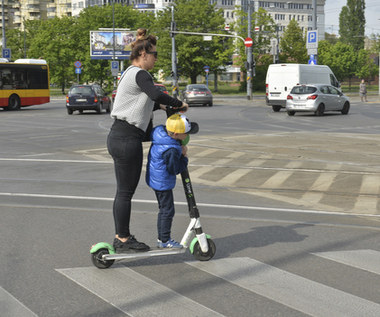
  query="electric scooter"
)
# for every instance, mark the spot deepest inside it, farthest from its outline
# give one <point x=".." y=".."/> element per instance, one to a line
<point x="200" y="244"/>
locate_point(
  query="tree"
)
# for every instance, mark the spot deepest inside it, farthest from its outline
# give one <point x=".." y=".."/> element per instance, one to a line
<point x="93" y="18"/>
<point x="365" y="67"/>
<point x="15" y="41"/>
<point x="352" y="24"/>
<point x="52" y="41"/>
<point x="193" y="53"/>
<point x="293" y="44"/>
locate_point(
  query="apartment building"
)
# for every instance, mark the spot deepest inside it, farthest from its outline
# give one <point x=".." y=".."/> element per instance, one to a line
<point x="282" y="11"/>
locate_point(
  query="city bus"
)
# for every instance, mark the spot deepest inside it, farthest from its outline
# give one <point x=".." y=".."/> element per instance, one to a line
<point x="24" y="82"/>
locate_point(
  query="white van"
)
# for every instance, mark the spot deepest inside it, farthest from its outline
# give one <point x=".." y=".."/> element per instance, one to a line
<point x="282" y="77"/>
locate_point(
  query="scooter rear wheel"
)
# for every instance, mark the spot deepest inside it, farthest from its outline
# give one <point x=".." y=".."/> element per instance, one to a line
<point x="201" y="256"/>
<point x="97" y="260"/>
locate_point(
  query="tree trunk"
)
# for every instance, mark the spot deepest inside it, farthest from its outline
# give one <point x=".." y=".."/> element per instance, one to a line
<point x="193" y="79"/>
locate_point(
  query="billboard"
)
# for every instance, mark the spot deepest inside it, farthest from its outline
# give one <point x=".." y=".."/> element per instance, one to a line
<point x="101" y="44"/>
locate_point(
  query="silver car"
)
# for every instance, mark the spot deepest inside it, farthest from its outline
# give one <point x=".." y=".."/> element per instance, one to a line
<point x="197" y="94"/>
<point x="316" y="98"/>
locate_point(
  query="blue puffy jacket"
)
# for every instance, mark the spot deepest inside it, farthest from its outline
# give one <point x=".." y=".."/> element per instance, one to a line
<point x="165" y="160"/>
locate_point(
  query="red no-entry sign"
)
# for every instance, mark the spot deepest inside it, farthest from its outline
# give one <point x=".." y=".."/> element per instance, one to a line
<point x="248" y="42"/>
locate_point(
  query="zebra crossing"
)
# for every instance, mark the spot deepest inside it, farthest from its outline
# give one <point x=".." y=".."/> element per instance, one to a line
<point x="333" y="185"/>
<point x="150" y="298"/>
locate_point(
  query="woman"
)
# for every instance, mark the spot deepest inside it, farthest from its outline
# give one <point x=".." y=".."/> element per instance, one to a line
<point x="135" y="101"/>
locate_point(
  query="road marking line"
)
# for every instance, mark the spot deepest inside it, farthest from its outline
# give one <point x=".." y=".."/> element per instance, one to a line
<point x="135" y="294"/>
<point x="206" y="152"/>
<point x="11" y="306"/>
<point x="206" y="169"/>
<point x="289" y="210"/>
<point x="321" y="185"/>
<point x="370" y="186"/>
<point x="233" y="177"/>
<point x="288" y="289"/>
<point x="277" y="179"/>
<point x="368" y="260"/>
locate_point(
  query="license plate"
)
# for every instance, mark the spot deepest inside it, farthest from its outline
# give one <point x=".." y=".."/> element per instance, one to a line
<point x="81" y="100"/>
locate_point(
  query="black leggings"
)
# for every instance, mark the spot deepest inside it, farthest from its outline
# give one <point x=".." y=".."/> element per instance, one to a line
<point x="124" y="144"/>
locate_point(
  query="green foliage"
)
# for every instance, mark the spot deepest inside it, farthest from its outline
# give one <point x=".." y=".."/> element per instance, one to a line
<point x="261" y="39"/>
<point x="52" y="42"/>
<point x="365" y="67"/>
<point x="193" y="53"/>
<point x="352" y="24"/>
<point x="341" y="58"/>
<point x="15" y="41"/>
<point x="293" y="44"/>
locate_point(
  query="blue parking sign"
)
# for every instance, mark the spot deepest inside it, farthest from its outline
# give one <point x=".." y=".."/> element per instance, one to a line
<point x="312" y="39"/>
<point x="6" y="53"/>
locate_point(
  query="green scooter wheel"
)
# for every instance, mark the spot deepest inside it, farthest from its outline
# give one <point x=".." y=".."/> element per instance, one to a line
<point x="98" y="261"/>
<point x="201" y="256"/>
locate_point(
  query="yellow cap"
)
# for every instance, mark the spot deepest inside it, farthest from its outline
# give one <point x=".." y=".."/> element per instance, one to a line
<point x="178" y="123"/>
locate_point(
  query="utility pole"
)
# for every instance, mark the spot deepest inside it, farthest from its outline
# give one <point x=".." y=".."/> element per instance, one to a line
<point x="113" y="40"/>
<point x="174" y="58"/>
<point x="315" y="27"/>
<point x="3" y="24"/>
<point x="249" y="56"/>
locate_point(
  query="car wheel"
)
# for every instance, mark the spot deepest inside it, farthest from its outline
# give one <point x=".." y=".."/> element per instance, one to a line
<point x="210" y="104"/>
<point x="346" y="108"/>
<point x="69" y="111"/>
<point x="291" y="113"/>
<point x="80" y="111"/>
<point x="276" y="108"/>
<point x="321" y="110"/>
<point x="108" y="110"/>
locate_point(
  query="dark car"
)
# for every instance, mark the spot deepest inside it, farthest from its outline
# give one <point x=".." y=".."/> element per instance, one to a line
<point x="197" y="94"/>
<point x="318" y="98"/>
<point x="87" y="97"/>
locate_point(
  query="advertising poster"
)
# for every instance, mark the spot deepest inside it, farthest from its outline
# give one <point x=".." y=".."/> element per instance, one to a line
<point x="102" y="46"/>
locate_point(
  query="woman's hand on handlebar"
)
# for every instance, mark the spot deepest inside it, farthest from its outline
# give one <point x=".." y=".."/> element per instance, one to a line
<point x="184" y="107"/>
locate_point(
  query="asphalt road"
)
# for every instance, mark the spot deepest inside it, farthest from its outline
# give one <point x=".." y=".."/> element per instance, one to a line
<point x="290" y="202"/>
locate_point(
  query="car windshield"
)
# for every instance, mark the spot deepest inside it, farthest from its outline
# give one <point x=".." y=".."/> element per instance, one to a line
<point x="81" y="91"/>
<point x="303" y="90"/>
<point x="197" y="88"/>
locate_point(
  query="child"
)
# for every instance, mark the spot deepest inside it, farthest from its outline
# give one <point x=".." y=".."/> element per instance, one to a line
<point x="166" y="159"/>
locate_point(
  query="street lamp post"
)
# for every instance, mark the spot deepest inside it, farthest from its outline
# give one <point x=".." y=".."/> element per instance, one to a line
<point x="249" y="56"/>
<point x="3" y="24"/>
<point x="174" y="58"/>
<point x="113" y="39"/>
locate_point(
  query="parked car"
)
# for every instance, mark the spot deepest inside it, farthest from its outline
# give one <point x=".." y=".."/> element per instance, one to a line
<point x="197" y="94"/>
<point x="162" y="88"/>
<point x="87" y="97"/>
<point x="316" y="98"/>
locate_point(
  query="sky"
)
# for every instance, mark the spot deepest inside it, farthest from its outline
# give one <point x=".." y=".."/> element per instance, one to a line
<point x="372" y="16"/>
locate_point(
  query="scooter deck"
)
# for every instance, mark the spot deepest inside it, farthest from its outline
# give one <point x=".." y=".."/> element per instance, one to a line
<point x="154" y="252"/>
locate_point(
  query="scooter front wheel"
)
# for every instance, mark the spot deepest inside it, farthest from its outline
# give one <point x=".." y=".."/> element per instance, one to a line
<point x="204" y="256"/>
<point x="97" y="259"/>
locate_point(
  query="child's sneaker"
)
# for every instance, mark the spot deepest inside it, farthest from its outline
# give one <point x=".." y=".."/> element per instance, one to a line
<point x="170" y="244"/>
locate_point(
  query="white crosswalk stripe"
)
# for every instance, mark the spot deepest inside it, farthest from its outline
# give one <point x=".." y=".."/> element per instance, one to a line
<point x="368" y="260"/>
<point x="150" y="298"/>
<point x="289" y="289"/>
<point x="135" y="294"/>
<point x="11" y="307"/>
